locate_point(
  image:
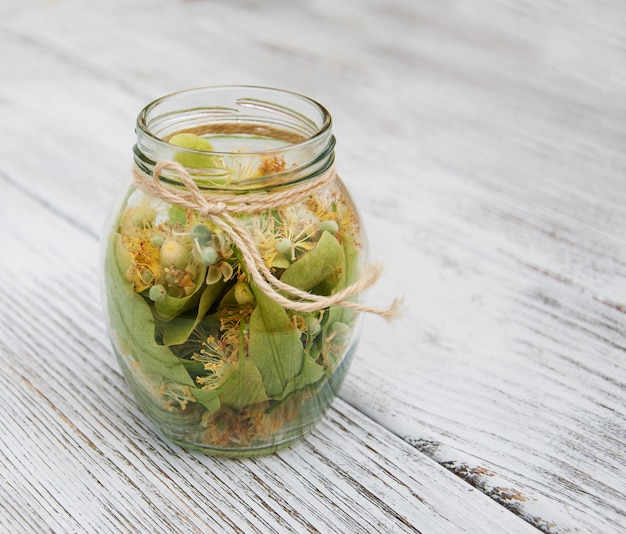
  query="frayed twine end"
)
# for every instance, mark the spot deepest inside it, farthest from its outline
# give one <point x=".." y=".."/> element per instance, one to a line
<point x="370" y="275"/>
<point x="394" y="310"/>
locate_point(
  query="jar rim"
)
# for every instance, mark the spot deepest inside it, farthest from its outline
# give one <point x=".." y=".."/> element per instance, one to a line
<point x="322" y="127"/>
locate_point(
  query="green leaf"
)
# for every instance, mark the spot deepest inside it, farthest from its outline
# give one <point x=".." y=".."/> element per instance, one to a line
<point x="242" y="386"/>
<point x="311" y="373"/>
<point x="315" y="349"/>
<point x="228" y="300"/>
<point x="179" y="329"/>
<point x="194" y="367"/>
<point x="337" y="314"/>
<point x="351" y="271"/>
<point x="323" y="264"/>
<point x="352" y="268"/>
<point x="207" y="397"/>
<point x="274" y="345"/>
<point x="177" y="215"/>
<point x="132" y="320"/>
<point x="172" y="307"/>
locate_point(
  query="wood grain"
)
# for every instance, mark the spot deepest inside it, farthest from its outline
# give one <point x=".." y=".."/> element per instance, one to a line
<point x="77" y="455"/>
<point x="484" y="144"/>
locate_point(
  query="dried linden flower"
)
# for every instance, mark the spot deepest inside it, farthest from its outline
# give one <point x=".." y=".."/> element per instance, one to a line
<point x="173" y="253"/>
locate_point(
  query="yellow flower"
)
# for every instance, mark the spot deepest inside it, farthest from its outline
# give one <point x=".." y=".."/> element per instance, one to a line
<point x="262" y="230"/>
<point x="175" y="396"/>
<point x="334" y="207"/>
<point x="173" y="254"/>
<point x="145" y="266"/>
<point x="213" y="358"/>
<point x="284" y="234"/>
<point x="297" y="231"/>
<point x="233" y="338"/>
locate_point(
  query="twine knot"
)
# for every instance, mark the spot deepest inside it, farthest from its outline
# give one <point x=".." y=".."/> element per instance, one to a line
<point x="212" y="208"/>
<point x="218" y="209"/>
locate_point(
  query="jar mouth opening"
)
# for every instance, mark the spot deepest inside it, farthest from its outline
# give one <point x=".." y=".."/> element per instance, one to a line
<point x="258" y="136"/>
<point x="300" y="119"/>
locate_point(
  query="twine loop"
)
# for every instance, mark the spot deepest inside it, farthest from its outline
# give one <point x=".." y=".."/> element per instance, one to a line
<point x="218" y="208"/>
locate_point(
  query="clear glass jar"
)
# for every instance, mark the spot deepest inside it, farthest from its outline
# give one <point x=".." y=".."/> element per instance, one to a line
<point x="219" y="359"/>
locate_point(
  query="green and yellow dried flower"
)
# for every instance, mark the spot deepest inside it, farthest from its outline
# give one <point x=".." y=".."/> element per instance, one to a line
<point x="212" y="346"/>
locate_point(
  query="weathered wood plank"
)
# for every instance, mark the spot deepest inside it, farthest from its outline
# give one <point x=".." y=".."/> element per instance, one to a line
<point x="76" y="454"/>
<point x="484" y="144"/>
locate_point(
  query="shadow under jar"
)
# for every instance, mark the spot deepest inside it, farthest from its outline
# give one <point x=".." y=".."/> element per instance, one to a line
<point x="224" y="355"/>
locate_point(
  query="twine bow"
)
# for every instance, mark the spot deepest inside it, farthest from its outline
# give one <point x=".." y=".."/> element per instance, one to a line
<point x="218" y="209"/>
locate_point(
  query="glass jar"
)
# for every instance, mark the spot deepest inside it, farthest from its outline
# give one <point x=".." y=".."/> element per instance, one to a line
<point x="230" y="269"/>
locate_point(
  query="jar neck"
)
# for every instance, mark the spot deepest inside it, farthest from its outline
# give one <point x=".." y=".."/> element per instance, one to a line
<point x="260" y="138"/>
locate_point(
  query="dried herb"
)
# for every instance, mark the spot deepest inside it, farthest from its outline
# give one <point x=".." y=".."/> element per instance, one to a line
<point x="206" y="342"/>
<point x="179" y="329"/>
<point x="133" y="322"/>
<point x="275" y="345"/>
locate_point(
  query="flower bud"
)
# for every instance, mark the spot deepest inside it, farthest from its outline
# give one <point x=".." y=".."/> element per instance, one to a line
<point x="173" y="253"/>
<point x="157" y="293"/>
<point x="243" y="293"/>
<point x="284" y="245"/>
<point x="156" y="241"/>
<point x="201" y="234"/>
<point x="208" y="255"/>
<point x="339" y="333"/>
<point x="329" y="226"/>
<point x="313" y="325"/>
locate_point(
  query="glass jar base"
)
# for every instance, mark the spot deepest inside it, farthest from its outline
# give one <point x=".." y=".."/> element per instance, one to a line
<point x="229" y="452"/>
<point x="232" y="433"/>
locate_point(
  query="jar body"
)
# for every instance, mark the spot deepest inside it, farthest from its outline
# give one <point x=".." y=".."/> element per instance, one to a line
<point x="214" y="361"/>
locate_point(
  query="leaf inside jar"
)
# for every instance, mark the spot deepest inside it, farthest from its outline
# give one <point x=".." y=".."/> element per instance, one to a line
<point x="133" y="322"/>
<point x="275" y="346"/>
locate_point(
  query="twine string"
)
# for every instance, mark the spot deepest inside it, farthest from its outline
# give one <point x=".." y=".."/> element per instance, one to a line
<point x="218" y="209"/>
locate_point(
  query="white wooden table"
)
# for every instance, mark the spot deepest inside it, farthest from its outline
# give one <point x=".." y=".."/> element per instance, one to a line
<point x="485" y="144"/>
